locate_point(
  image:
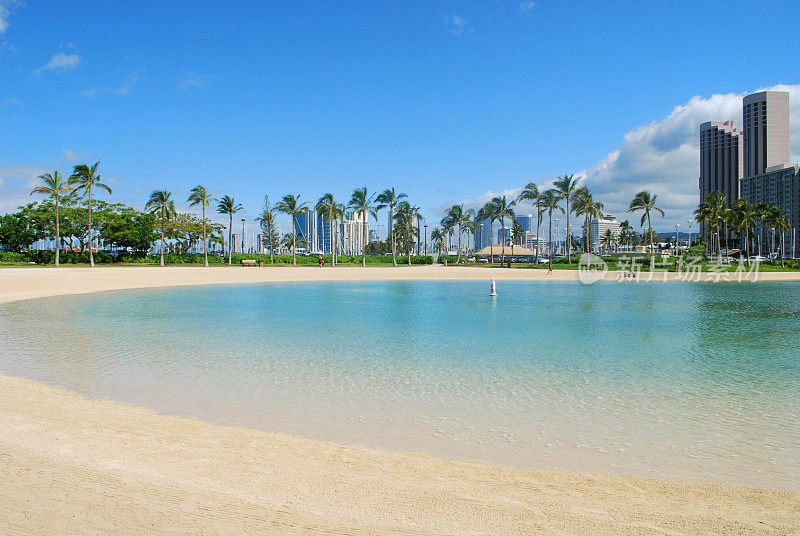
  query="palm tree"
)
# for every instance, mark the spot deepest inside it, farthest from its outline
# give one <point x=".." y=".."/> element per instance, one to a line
<point x="55" y="187"/>
<point x="744" y="219"/>
<point x="85" y="178"/>
<point x="566" y="185"/>
<point x="228" y="205"/>
<point x="161" y="205"/>
<point x="200" y="196"/>
<point x="503" y="210"/>
<point x="517" y="234"/>
<point x="550" y="203"/>
<point x="291" y="205"/>
<point x="438" y="239"/>
<point x="626" y="233"/>
<point x="363" y="205"/>
<point x="329" y="209"/>
<point x="405" y="217"/>
<point x="531" y="193"/>
<point x="582" y="203"/>
<point x="489" y="213"/>
<point x="388" y="198"/>
<point x="456" y="216"/>
<point x="782" y="225"/>
<point x="646" y="202"/>
<point x="608" y="241"/>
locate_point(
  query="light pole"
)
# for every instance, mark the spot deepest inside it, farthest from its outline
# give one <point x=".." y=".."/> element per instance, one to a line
<point x="677" y="244"/>
<point x="242" y="235"/>
<point x="689" y="244"/>
<point x="551" y="245"/>
<point x="426" y="234"/>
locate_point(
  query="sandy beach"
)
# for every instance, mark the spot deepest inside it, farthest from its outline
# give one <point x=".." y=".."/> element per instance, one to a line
<point x="74" y="465"/>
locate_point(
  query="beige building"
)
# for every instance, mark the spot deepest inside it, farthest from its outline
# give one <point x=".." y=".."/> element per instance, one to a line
<point x="766" y="131"/>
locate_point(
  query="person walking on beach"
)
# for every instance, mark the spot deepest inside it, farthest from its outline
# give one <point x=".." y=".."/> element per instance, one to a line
<point x="321" y="262"/>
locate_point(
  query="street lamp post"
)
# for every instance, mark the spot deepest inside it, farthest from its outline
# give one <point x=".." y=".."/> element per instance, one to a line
<point x="689" y="244"/>
<point x="242" y="235"/>
<point x="426" y="235"/>
<point x="551" y="245"/>
<point x="677" y="243"/>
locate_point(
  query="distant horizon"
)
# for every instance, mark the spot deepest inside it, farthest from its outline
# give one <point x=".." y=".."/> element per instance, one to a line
<point x="450" y="103"/>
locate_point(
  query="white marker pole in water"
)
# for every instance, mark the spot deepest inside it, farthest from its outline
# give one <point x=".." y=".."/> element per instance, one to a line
<point x="492" y="289"/>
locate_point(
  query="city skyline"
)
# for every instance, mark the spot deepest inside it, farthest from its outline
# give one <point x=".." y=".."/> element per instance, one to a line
<point x="68" y="101"/>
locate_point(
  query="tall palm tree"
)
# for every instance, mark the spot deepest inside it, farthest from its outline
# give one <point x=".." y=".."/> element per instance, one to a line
<point x="457" y="217"/>
<point x="389" y="198"/>
<point x="438" y="239"/>
<point x="228" y="205"/>
<point x="550" y="203"/>
<point x="744" y="219"/>
<point x="405" y="217"/>
<point x="291" y="205"/>
<point x="626" y="233"/>
<point x="782" y="225"/>
<point x="489" y="213"/>
<point x="608" y="241"/>
<point x="566" y="185"/>
<point x="200" y="196"/>
<point x="85" y="178"/>
<point x="162" y="206"/>
<point x="645" y="202"/>
<point x="331" y="211"/>
<point x="582" y="202"/>
<point x="54" y="186"/>
<point x="531" y="194"/>
<point x="363" y="205"/>
<point x="503" y="210"/>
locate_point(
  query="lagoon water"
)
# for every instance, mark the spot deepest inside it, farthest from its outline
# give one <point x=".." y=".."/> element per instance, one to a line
<point x="668" y="380"/>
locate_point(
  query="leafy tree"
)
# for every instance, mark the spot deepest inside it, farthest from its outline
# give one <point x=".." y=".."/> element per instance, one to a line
<point x="270" y="235"/>
<point x="16" y="232"/>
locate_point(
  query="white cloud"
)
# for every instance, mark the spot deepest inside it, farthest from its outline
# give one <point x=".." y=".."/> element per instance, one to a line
<point x="664" y="157"/>
<point x="12" y="101"/>
<point x="527" y="8"/>
<point x="61" y="63"/>
<point x="130" y="80"/>
<point x="194" y="80"/>
<point x="6" y="9"/>
<point x="457" y="25"/>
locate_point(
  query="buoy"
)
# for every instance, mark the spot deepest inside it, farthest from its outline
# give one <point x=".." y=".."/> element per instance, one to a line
<point x="492" y="289"/>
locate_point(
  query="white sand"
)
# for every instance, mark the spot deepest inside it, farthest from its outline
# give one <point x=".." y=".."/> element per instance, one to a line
<point x="72" y="465"/>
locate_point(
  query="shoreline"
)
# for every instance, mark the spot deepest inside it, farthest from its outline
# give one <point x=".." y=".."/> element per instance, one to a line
<point x="71" y="464"/>
<point x="39" y="282"/>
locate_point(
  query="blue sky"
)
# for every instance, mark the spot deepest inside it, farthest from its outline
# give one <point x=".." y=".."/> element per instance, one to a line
<point x="446" y="101"/>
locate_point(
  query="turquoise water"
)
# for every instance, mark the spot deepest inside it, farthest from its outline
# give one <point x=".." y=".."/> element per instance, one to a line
<point x="674" y="380"/>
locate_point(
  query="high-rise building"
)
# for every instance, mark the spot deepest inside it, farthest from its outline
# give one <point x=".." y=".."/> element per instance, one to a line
<point x="598" y="227"/>
<point x="765" y="131"/>
<point x="720" y="160"/>
<point x="354" y="230"/>
<point x="779" y="185"/>
<point x="482" y="235"/>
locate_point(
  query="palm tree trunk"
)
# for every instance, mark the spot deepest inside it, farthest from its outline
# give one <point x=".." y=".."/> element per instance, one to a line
<point x="294" y="240"/>
<point x="205" y="239"/>
<point x="162" y="239"/>
<point x="391" y="235"/>
<point x="408" y="245"/>
<point x="567" y="243"/>
<point x="491" y="244"/>
<point x="459" y="243"/>
<point x="364" y="242"/>
<point x="652" y="251"/>
<point x="538" y="220"/>
<point x="58" y="234"/>
<point x="230" y="240"/>
<point x="91" y="257"/>
<point x="503" y="241"/>
<point x="550" y="240"/>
